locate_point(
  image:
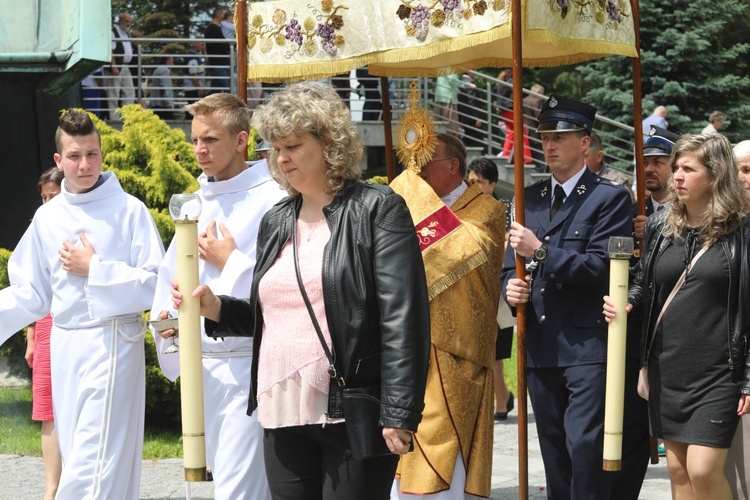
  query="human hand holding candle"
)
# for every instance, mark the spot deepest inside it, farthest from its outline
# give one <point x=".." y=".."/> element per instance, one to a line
<point x="210" y="305"/>
<point x="620" y="250"/>
<point x="609" y="310"/>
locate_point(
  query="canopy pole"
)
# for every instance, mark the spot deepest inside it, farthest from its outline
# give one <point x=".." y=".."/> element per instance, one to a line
<point x="518" y="168"/>
<point x="638" y="114"/>
<point x="241" y="16"/>
<point x="640" y="176"/>
<point x="390" y="167"/>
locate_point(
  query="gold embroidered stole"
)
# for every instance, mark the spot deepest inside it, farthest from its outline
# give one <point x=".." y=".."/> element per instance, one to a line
<point x="449" y="249"/>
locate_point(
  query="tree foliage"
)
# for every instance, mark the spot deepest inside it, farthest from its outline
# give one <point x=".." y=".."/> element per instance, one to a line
<point x="694" y="61"/>
<point x="168" y="18"/>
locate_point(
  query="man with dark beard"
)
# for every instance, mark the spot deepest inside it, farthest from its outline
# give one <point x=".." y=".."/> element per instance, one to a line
<point x="656" y="152"/>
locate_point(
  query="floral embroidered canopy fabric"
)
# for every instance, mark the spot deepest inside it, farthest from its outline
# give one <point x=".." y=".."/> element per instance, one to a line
<point x="296" y="39"/>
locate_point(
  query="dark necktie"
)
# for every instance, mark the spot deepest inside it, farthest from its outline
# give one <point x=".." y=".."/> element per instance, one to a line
<point x="558" y="201"/>
<point x="661" y="207"/>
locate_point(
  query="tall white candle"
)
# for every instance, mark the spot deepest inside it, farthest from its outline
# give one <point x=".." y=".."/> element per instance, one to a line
<point x="620" y="251"/>
<point x="185" y="210"/>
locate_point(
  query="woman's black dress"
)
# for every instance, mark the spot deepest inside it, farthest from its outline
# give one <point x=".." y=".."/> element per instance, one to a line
<point x="694" y="393"/>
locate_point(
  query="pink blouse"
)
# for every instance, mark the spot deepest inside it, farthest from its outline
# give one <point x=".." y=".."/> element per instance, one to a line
<point x="292" y="366"/>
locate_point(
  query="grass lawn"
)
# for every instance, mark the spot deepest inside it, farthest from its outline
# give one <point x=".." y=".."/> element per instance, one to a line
<point x="19" y="435"/>
<point x="510" y="369"/>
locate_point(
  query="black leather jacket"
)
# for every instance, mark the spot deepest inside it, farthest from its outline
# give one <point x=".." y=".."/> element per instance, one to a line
<point x="375" y="295"/>
<point x="736" y="246"/>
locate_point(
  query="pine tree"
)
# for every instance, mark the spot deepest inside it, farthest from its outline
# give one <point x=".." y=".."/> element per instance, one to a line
<point x="694" y="61"/>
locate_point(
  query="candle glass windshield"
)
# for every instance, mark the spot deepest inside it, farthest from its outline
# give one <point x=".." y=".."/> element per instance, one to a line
<point x="185" y="207"/>
<point x="620" y="247"/>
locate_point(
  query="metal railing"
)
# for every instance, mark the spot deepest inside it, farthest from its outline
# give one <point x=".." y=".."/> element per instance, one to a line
<point x="479" y="119"/>
<point x="488" y="108"/>
<point x="103" y="92"/>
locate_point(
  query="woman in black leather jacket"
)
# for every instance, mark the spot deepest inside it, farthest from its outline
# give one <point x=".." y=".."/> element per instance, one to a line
<point x="695" y="346"/>
<point x="360" y="265"/>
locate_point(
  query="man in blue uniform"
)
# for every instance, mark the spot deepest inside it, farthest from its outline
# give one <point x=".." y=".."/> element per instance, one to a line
<point x="657" y="172"/>
<point x="569" y="219"/>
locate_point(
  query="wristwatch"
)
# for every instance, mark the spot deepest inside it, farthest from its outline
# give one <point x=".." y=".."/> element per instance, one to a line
<point x="540" y="254"/>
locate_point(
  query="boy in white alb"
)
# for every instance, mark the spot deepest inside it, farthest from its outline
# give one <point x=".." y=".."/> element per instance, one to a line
<point x="234" y="197"/>
<point x="90" y="258"/>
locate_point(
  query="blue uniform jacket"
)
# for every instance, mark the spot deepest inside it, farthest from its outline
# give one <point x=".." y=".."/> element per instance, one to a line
<point x="565" y="324"/>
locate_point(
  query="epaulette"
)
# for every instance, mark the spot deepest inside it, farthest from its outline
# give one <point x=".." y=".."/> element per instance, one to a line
<point x="606" y="182"/>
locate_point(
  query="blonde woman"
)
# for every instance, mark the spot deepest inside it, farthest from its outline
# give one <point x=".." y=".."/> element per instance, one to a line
<point x="695" y="351"/>
<point x="350" y="247"/>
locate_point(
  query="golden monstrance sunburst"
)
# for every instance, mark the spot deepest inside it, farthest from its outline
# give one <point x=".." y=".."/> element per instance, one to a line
<point x="416" y="133"/>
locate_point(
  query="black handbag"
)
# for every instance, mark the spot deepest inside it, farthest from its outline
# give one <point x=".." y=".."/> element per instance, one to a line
<point x="362" y="413"/>
<point x="361" y="404"/>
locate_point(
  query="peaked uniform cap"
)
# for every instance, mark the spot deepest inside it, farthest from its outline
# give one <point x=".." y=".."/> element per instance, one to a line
<point x="566" y="115"/>
<point x="659" y="142"/>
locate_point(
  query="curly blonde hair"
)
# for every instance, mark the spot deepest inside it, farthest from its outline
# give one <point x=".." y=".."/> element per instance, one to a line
<point x="314" y="108"/>
<point x="725" y="210"/>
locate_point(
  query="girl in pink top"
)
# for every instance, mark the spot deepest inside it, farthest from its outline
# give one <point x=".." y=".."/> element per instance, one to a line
<point x="37" y="355"/>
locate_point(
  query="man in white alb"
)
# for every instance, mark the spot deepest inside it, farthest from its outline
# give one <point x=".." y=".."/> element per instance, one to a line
<point x="89" y="257"/>
<point x="234" y="197"/>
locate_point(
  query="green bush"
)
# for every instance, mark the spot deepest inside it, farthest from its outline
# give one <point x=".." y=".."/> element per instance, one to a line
<point x="379" y="179"/>
<point x="252" y="143"/>
<point x="4" y="256"/>
<point x="15" y="347"/>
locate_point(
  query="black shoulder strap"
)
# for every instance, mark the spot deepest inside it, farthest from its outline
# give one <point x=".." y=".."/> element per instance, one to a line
<point x="331" y="368"/>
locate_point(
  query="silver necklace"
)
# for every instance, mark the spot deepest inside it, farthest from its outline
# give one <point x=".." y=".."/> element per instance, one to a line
<point x="310" y="234"/>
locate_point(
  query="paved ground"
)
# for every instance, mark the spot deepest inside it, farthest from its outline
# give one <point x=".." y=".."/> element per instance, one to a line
<point x="23" y="477"/>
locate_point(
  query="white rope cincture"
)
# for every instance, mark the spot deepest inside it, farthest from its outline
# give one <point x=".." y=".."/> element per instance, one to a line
<point x="109" y="389"/>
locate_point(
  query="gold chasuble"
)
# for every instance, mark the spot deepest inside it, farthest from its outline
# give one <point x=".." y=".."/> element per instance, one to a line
<point x="462" y="248"/>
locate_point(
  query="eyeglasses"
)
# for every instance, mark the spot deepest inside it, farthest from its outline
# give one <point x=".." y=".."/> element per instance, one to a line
<point x="437" y="159"/>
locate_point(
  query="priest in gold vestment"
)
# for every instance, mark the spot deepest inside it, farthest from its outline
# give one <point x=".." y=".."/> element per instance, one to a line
<point x="461" y="237"/>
